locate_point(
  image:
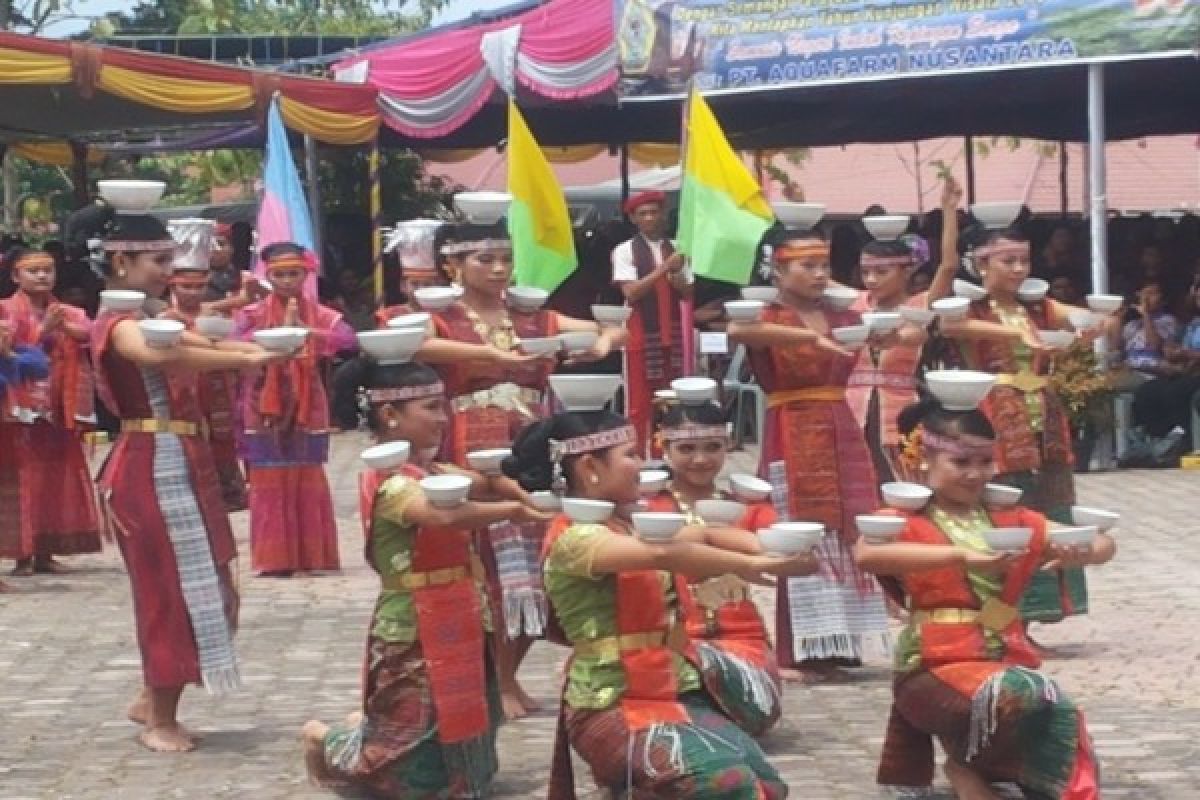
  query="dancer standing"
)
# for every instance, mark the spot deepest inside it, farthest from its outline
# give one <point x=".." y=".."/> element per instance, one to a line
<point x="55" y="413"/>
<point x="159" y="488"/>
<point x="965" y="671"/>
<point x="217" y="391"/>
<point x="635" y="708"/>
<point x="816" y="459"/>
<point x="430" y="708"/>
<point x="654" y="279"/>
<point x="18" y="364"/>
<point x="285" y="425"/>
<point x="495" y="390"/>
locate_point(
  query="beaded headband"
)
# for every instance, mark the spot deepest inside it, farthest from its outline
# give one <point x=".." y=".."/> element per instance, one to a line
<point x="789" y="252"/>
<point x="36" y="259"/>
<point x="189" y="278"/>
<point x="138" y="245"/>
<point x="883" y="262"/>
<point x="482" y="244"/>
<point x="579" y="445"/>
<point x="396" y="395"/>
<point x="962" y="447"/>
<point x="1002" y="247"/>
<point x="692" y="432"/>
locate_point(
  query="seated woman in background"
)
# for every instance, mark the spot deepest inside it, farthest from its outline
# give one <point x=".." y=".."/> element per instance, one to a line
<point x="1145" y="345"/>
<point x="1165" y="403"/>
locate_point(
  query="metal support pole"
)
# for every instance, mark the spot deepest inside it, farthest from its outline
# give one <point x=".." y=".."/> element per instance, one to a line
<point x="624" y="162"/>
<point x="1098" y="202"/>
<point x="79" y="173"/>
<point x="311" y="164"/>
<point x="969" y="145"/>
<point x="1064" y="189"/>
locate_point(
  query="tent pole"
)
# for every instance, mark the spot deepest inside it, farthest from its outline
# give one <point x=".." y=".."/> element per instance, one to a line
<point x="1064" y="189"/>
<point x="969" y="147"/>
<point x="311" y="162"/>
<point x="79" y="173"/>
<point x="375" y="185"/>
<point x="624" y="161"/>
<point x="1098" y="202"/>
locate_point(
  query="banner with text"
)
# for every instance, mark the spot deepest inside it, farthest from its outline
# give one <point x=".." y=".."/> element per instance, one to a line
<point x="728" y="44"/>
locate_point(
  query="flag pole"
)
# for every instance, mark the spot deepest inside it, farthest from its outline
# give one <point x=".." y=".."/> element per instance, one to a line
<point x="687" y="319"/>
<point x="376" y="208"/>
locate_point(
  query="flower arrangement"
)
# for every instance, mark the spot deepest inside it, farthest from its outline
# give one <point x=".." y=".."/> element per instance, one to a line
<point x="1086" y="392"/>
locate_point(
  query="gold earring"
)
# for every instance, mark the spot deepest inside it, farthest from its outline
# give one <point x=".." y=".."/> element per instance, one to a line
<point x="120" y="273"/>
<point x="593" y="479"/>
<point x="393" y="424"/>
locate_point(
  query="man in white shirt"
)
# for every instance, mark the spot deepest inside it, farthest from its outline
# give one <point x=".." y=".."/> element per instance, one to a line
<point x="654" y="279"/>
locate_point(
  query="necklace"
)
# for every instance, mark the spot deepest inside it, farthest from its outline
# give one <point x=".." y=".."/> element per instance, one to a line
<point x="501" y="335"/>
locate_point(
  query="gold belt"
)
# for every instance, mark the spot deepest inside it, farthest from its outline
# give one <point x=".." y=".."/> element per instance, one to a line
<point x="506" y="396"/>
<point x="154" y="425"/>
<point x="813" y="394"/>
<point x="1023" y="381"/>
<point x="995" y="615"/>
<point x="610" y="648"/>
<point x="411" y="581"/>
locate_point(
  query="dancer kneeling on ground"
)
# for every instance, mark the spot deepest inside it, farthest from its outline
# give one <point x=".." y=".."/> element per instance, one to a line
<point x="729" y="632"/>
<point x="430" y="705"/>
<point x="965" y="671"/>
<point x="635" y="706"/>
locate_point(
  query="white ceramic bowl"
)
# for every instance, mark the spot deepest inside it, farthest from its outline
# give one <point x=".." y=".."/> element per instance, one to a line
<point x="585" y="392"/>
<point x="959" y="389"/>
<point x="917" y="316"/>
<point x="851" y="335"/>
<point x="215" y="327"/>
<point x="435" y="298"/>
<point x="488" y="461"/>
<point x="161" y="333"/>
<point x="950" y="307"/>
<point x="789" y="538"/>
<point x="546" y="501"/>
<point x="744" y="310"/>
<point x="446" y="491"/>
<point x="1032" y="290"/>
<point x="1083" y="320"/>
<point x="611" y="315"/>
<point x="1008" y="540"/>
<point x="652" y="481"/>
<point x="281" y="340"/>
<point x="720" y="512"/>
<point x="905" y="496"/>
<point x="839" y="298"/>
<point x="483" y="208"/>
<point x="748" y="488"/>
<point x="579" y="341"/>
<point x="763" y="294"/>
<point x="996" y="216"/>
<point x="879" y="528"/>
<point x="1057" y="340"/>
<point x="131" y="196"/>
<point x="666" y="396"/>
<point x="657" y="526"/>
<point x="387" y="455"/>
<point x="580" y="509"/>
<point x="1073" y="536"/>
<point x="392" y="345"/>
<point x="540" y="347"/>
<point x="886" y="227"/>
<point x="122" y="299"/>
<point x="1104" y="520"/>
<point x="882" y="321"/>
<point x="420" y="319"/>
<point x="798" y="216"/>
<point x="1105" y="303"/>
<point x="526" y="298"/>
<point x="998" y="495"/>
<point x="968" y="290"/>
<point x="694" y="391"/>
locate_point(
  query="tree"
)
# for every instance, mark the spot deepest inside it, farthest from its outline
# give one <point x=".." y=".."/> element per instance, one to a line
<point x="296" y="17"/>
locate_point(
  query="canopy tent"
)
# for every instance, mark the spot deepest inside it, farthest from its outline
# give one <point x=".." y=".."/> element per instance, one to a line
<point x="79" y="91"/>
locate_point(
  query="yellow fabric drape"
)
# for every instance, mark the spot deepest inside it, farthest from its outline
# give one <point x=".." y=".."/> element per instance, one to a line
<point x="647" y="154"/>
<point x="175" y="94"/>
<point x="55" y="154"/>
<point x="574" y="154"/>
<point x="655" y="155"/>
<point x="19" y="66"/>
<point x="328" y="126"/>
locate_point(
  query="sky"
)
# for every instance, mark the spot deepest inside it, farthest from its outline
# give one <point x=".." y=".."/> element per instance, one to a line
<point x="91" y="9"/>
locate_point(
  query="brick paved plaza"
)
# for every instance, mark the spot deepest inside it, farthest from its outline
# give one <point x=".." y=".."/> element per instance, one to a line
<point x="69" y="665"/>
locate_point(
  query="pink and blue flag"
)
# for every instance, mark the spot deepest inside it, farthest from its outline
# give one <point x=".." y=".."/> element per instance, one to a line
<point x="283" y="208"/>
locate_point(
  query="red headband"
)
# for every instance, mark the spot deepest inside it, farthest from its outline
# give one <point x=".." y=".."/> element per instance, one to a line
<point x="37" y="258"/>
<point x="791" y="252"/>
<point x="644" y="199"/>
<point x="293" y="261"/>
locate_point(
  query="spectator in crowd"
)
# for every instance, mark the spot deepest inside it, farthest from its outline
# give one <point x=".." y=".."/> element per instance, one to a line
<point x="1146" y="335"/>
<point x="1162" y="407"/>
<point x="1064" y="290"/>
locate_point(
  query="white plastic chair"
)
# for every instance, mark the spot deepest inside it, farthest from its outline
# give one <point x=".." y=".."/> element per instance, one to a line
<point x="744" y="392"/>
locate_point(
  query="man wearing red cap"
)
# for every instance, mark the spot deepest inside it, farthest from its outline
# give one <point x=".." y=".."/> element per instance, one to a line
<point x="654" y="279"/>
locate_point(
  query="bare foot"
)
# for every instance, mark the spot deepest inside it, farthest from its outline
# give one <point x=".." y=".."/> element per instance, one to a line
<point x="46" y="565"/>
<point x="528" y="703"/>
<point x="172" y="739"/>
<point x="967" y="784"/>
<point x="510" y="701"/>
<point x="315" y="766"/>
<point x="139" y="709"/>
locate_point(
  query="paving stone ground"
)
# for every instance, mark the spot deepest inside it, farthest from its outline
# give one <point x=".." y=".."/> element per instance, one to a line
<point x="69" y="664"/>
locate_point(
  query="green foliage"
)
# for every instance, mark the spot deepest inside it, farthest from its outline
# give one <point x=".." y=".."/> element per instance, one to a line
<point x="290" y="17"/>
<point x="408" y="191"/>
